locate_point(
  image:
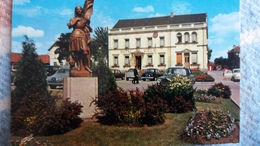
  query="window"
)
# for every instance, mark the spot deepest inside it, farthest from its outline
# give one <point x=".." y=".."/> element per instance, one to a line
<point x="115" y="44"/>
<point x="126" y="43"/>
<point x="194" y="58"/>
<point x="115" y="60"/>
<point x="161" y="41"/>
<point x="186" y="37"/>
<point x="150" y="60"/>
<point x="138" y="42"/>
<point x="127" y="60"/>
<point x="179" y="37"/>
<point x="186" y="57"/>
<point x="194" y="37"/>
<point x="149" y="42"/>
<point x="162" y="59"/>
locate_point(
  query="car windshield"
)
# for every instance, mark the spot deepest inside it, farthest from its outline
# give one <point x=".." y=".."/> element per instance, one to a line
<point x="236" y="71"/>
<point x="150" y="70"/>
<point x="62" y="70"/>
<point x="177" y="71"/>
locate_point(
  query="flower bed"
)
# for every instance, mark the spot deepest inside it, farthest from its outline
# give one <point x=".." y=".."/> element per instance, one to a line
<point x="201" y="95"/>
<point x="204" y="78"/>
<point x="209" y="127"/>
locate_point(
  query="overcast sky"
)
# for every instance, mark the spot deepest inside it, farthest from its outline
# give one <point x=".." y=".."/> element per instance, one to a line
<point x="43" y="21"/>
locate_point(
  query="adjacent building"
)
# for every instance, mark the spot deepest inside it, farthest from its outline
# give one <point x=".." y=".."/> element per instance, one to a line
<point x="160" y="42"/>
<point x="15" y="57"/>
<point x="234" y="57"/>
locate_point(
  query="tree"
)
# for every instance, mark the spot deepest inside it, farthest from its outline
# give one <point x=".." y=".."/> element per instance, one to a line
<point x="30" y="75"/>
<point x="63" y="47"/>
<point x="106" y="80"/>
<point x="209" y="53"/>
<point x="221" y="61"/>
<point x="100" y="43"/>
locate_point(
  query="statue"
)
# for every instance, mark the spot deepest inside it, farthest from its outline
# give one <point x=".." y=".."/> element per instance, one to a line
<point x="80" y="39"/>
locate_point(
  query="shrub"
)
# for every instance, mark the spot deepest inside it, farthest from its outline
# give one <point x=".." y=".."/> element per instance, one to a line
<point x="65" y="118"/>
<point x="32" y="109"/>
<point x="113" y="108"/>
<point x="213" y="90"/>
<point x="133" y="107"/>
<point x="224" y="89"/>
<point x="181" y="97"/>
<point x="39" y="115"/>
<point x="220" y="90"/>
<point x="178" y="95"/>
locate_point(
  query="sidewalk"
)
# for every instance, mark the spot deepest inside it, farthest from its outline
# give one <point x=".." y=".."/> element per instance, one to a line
<point x="234" y="86"/>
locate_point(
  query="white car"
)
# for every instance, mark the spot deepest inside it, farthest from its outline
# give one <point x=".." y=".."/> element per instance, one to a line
<point x="228" y="74"/>
<point x="236" y="74"/>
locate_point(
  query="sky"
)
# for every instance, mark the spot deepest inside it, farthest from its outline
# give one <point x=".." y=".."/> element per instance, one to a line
<point x="43" y="21"/>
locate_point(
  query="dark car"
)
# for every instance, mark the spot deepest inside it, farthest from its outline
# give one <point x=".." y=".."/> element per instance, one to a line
<point x="151" y="74"/>
<point x="57" y="78"/>
<point x="118" y="74"/>
<point x="173" y="71"/>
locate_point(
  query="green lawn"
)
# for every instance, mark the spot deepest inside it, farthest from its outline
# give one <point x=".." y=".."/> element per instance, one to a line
<point x="163" y="135"/>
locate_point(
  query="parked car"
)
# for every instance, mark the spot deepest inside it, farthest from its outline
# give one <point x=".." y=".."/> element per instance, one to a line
<point x="173" y="71"/>
<point x="129" y="74"/>
<point x="151" y="74"/>
<point x="228" y="74"/>
<point x="118" y="74"/>
<point x="51" y="69"/>
<point x="235" y="74"/>
<point x="57" y="78"/>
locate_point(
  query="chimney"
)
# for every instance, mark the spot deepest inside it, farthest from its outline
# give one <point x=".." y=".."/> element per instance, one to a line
<point x="171" y="14"/>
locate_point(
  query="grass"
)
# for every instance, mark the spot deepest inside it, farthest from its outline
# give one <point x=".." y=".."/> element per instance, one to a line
<point x="95" y="134"/>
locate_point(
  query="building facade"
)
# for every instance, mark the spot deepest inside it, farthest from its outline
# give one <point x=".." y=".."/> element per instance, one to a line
<point x="234" y="57"/>
<point x="54" y="57"/>
<point x="159" y="42"/>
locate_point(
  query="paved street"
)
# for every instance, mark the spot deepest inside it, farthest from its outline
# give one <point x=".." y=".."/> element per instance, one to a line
<point x="218" y="75"/>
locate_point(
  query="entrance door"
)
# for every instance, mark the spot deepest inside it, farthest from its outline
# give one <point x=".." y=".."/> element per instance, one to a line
<point x="187" y="59"/>
<point x="138" y="61"/>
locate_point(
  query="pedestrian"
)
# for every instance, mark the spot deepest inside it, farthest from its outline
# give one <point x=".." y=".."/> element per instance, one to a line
<point x="136" y="79"/>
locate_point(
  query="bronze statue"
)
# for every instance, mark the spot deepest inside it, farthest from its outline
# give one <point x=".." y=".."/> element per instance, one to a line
<point x="80" y="38"/>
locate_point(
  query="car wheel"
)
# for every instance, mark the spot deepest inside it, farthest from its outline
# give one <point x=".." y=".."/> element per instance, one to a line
<point x="52" y="87"/>
<point x="127" y="79"/>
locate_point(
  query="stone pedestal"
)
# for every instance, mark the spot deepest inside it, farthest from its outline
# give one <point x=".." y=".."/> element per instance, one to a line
<point x="75" y="73"/>
<point x="83" y="90"/>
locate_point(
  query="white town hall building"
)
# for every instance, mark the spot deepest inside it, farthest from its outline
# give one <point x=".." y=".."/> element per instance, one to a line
<point x="159" y="42"/>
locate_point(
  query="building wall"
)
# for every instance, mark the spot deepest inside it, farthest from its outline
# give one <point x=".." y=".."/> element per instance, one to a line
<point x="170" y="48"/>
<point x="53" y="57"/>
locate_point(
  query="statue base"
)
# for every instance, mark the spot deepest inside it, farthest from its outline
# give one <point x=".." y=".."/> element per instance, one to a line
<point x="83" y="90"/>
<point x="76" y="73"/>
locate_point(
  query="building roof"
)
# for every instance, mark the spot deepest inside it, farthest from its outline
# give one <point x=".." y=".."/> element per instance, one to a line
<point x="15" y="57"/>
<point x="177" y="19"/>
<point x="236" y="49"/>
<point x="45" y="58"/>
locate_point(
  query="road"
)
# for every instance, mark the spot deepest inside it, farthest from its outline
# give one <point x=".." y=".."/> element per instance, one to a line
<point x="218" y="75"/>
